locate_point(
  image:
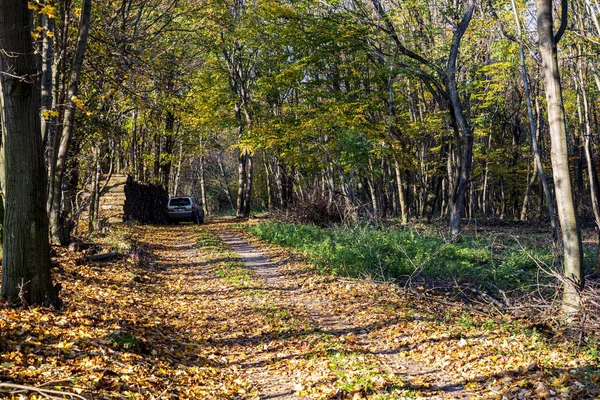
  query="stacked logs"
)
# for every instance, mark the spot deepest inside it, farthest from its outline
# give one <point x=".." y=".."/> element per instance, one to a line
<point x="145" y="203"/>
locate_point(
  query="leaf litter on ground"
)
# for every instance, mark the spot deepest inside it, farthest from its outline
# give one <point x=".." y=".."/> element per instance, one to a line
<point x="182" y="318"/>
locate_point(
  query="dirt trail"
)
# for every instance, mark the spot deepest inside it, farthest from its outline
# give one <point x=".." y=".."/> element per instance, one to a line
<point x="331" y="318"/>
<point x="187" y="315"/>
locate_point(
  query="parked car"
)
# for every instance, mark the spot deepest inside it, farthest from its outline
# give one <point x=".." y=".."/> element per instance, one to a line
<point x="184" y="208"/>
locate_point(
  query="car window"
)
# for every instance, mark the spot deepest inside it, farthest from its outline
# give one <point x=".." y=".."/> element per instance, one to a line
<point x="179" y="202"/>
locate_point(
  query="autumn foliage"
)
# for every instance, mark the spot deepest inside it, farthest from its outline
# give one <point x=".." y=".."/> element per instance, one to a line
<point x="180" y="317"/>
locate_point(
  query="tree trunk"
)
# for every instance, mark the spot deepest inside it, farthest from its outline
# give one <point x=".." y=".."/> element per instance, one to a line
<point x="203" y="185"/>
<point x="241" y="183"/>
<point x="168" y="150"/>
<point x="94" y="197"/>
<point x="591" y="165"/>
<point x="56" y="226"/>
<point x="528" y="189"/>
<point x="26" y="254"/>
<point x="176" y="179"/>
<point x="571" y="235"/>
<point x="225" y="181"/>
<point x="533" y="131"/>
<point x="46" y="81"/>
<point x="268" y="183"/>
<point x="401" y="197"/>
<point x="466" y="132"/>
<point x="372" y="189"/>
<point x="248" y="185"/>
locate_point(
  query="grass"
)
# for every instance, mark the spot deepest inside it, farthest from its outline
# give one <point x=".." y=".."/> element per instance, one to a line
<point x="230" y="268"/>
<point x="406" y="253"/>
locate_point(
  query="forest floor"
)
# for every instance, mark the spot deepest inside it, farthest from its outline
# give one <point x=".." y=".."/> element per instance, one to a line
<point x="194" y="312"/>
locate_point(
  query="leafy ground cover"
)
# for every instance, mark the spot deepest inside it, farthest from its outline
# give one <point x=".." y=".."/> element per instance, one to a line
<point x="180" y="317"/>
<point x="504" y="261"/>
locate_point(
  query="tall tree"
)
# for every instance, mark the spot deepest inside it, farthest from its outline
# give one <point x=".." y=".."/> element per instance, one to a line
<point x="571" y="235"/>
<point x="59" y="233"/>
<point x="26" y="258"/>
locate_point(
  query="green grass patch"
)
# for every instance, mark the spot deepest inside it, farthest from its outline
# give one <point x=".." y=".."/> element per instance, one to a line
<point x="357" y="374"/>
<point x="227" y="265"/>
<point x="403" y="253"/>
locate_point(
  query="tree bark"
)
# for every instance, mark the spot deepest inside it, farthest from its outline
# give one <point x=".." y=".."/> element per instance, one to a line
<point x="571" y="235"/>
<point x="248" y="185"/>
<point x="466" y="132"/>
<point x="56" y="219"/>
<point x="203" y="184"/>
<point x="241" y="183"/>
<point x="94" y="196"/>
<point x="401" y="197"/>
<point x="268" y="183"/>
<point x="26" y="254"/>
<point x="532" y="179"/>
<point x="591" y="165"/>
<point x="533" y="130"/>
<point x="225" y="181"/>
<point x="46" y="81"/>
<point x="168" y="150"/>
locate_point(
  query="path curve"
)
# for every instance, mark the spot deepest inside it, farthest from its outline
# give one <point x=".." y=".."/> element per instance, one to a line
<point x="328" y="321"/>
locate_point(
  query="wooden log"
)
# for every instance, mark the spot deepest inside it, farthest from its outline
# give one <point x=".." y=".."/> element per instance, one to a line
<point x="104" y="256"/>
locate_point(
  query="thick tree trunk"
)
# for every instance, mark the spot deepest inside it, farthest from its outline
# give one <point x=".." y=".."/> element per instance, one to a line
<point x="26" y="254"/>
<point x="571" y="235"/>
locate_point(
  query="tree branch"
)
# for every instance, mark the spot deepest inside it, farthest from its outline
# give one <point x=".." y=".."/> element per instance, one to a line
<point x="564" y="5"/>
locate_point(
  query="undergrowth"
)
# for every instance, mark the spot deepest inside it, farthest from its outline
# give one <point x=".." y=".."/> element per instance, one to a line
<point x="402" y="254"/>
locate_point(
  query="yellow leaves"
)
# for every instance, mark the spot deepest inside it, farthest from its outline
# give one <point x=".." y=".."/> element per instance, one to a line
<point x="213" y="337"/>
<point x="78" y="103"/>
<point x="561" y="380"/>
<point x="471" y="386"/>
<point x="65" y="345"/>
<point x="49" y="114"/>
<point x="43" y="8"/>
<point x="49" y="10"/>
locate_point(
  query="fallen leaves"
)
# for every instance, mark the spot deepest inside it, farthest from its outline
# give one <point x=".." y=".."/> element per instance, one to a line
<point x="182" y="318"/>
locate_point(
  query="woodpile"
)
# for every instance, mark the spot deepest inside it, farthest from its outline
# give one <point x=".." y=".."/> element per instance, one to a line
<point x="145" y="203"/>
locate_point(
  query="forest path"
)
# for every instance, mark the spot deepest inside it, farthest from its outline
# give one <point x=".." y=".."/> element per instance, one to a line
<point x="351" y="346"/>
<point x="209" y="312"/>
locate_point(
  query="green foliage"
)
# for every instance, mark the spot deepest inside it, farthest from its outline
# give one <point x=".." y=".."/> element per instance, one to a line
<point x="124" y="340"/>
<point x="400" y="254"/>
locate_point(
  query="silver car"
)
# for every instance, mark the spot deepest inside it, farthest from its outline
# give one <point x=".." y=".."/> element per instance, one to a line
<point x="184" y="209"/>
